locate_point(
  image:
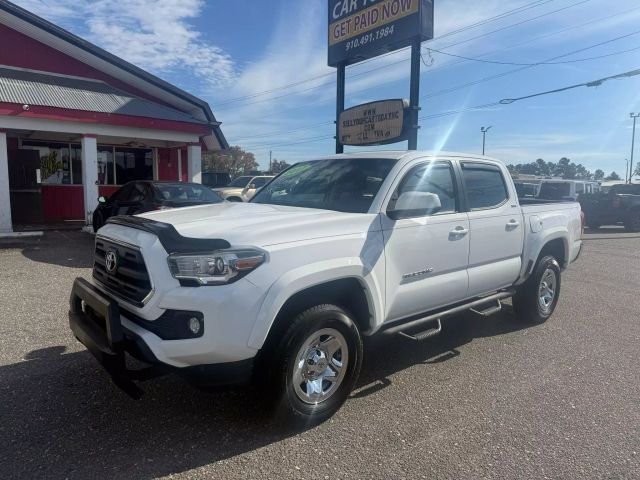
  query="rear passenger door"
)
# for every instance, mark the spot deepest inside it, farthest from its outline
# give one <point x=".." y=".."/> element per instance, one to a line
<point x="496" y="230"/>
<point x="426" y="252"/>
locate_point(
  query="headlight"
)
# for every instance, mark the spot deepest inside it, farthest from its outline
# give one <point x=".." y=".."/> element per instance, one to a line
<point x="215" y="268"/>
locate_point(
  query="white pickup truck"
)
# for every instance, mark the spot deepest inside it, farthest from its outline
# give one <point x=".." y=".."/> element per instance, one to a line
<point x="282" y="290"/>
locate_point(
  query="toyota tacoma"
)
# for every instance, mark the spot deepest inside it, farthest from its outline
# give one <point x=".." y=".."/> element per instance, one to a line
<point x="283" y="289"/>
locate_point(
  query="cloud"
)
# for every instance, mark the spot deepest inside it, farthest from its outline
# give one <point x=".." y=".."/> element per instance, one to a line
<point x="153" y="34"/>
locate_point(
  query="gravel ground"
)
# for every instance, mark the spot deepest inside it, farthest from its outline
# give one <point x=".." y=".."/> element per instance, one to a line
<point x="488" y="398"/>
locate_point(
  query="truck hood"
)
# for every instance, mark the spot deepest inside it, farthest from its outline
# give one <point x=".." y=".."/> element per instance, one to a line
<point x="246" y="224"/>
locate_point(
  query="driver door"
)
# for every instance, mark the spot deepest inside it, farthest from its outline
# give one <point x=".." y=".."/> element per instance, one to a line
<point x="426" y="255"/>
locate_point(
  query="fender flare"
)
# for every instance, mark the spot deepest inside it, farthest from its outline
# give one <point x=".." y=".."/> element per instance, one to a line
<point x="311" y="275"/>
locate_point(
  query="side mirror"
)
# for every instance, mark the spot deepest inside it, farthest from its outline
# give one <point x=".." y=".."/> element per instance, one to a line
<point x="102" y="199"/>
<point x="234" y="199"/>
<point x="415" y="204"/>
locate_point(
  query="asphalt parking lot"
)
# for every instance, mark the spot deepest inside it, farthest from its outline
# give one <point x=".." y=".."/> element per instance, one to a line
<point x="489" y="398"/>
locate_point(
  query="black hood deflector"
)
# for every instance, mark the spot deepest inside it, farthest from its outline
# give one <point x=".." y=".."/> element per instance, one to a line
<point x="169" y="237"/>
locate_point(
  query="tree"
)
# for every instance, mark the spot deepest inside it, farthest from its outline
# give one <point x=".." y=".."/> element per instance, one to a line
<point x="599" y="175"/>
<point x="278" y="166"/>
<point x="565" y="168"/>
<point x="235" y="161"/>
<point x="613" y="176"/>
<point x="636" y="171"/>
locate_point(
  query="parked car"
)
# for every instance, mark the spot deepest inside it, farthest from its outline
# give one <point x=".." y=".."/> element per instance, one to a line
<point x="242" y="189"/>
<point x="526" y="189"/>
<point x="216" y="179"/>
<point x="145" y="196"/>
<point x="281" y="290"/>
<point x="551" y="189"/>
<point x="620" y="204"/>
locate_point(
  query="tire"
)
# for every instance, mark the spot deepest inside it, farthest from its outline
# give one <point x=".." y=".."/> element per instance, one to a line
<point x="98" y="221"/>
<point x="536" y="299"/>
<point x="322" y="336"/>
<point x="633" y="222"/>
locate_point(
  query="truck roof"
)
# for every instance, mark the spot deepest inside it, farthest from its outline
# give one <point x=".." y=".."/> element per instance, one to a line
<point x="408" y="154"/>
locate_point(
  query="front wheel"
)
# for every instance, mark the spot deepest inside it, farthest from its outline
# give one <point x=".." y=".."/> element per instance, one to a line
<point x="633" y="222"/>
<point x="536" y="299"/>
<point x="316" y="365"/>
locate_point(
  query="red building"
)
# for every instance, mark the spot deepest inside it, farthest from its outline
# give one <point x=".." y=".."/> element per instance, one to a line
<point x="76" y="122"/>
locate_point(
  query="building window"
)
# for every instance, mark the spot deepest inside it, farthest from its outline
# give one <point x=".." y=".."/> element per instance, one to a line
<point x="106" y="168"/>
<point x="54" y="161"/>
<point x="133" y="164"/>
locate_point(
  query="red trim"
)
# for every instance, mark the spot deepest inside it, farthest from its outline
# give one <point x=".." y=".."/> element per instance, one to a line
<point x="25" y="52"/>
<point x="63" y="114"/>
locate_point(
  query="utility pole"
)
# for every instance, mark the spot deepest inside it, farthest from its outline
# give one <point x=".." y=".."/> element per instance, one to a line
<point x="484" y="131"/>
<point x="626" y="169"/>
<point x="633" y="139"/>
<point x="270" y="162"/>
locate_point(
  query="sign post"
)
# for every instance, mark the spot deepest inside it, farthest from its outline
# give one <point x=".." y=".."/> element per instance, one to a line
<point x="362" y="29"/>
<point x="339" y="105"/>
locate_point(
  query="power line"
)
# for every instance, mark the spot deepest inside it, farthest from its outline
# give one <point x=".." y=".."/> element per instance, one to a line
<point x="218" y="108"/>
<point x="533" y="39"/>
<point x="592" y="83"/>
<point x="620" y="52"/>
<point x="271" y="134"/>
<point x="505" y="101"/>
<point x="514" y="11"/>
<point x="526" y="20"/>
<point x="509" y="72"/>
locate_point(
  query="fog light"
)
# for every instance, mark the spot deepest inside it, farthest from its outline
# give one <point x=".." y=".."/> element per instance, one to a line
<point x="194" y="325"/>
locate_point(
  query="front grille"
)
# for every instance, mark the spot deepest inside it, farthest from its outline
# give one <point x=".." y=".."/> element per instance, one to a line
<point x="130" y="279"/>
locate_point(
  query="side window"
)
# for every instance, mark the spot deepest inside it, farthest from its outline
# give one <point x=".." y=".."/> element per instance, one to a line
<point x="122" y="195"/>
<point x="484" y="185"/>
<point x="259" y="182"/>
<point x="434" y="179"/>
<point x="138" y="193"/>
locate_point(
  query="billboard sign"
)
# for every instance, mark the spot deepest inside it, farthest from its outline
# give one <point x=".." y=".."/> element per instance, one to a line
<point x="374" y="123"/>
<point x="361" y="29"/>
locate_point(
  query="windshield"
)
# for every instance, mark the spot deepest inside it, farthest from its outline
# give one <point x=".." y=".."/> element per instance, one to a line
<point x="554" y="190"/>
<point x="344" y="185"/>
<point x="240" y="182"/>
<point x="176" y="192"/>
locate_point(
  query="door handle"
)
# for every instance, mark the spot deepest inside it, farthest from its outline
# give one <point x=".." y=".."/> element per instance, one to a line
<point x="459" y="231"/>
<point x="513" y="223"/>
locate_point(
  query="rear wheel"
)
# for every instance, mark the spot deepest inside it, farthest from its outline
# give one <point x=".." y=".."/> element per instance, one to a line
<point x="536" y="298"/>
<point x="633" y="222"/>
<point x="316" y="365"/>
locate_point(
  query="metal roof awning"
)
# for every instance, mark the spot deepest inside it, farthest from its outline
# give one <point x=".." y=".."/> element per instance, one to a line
<point x="74" y="93"/>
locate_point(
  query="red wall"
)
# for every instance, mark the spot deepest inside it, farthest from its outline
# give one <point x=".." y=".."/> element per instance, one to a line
<point x="107" y="190"/>
<point x="184" y="176"/>
<point x="26" y="52"/>
<point x="167" y="164"/>
<point x="63" y="202"/>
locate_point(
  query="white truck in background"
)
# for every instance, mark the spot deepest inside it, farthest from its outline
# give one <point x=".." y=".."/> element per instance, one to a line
<point x="282" y="290"/>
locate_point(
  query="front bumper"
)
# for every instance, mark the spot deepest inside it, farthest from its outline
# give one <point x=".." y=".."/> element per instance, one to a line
<point x="95" y="320"/>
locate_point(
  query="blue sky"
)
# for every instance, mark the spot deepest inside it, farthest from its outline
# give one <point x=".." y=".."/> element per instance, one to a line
<point x="223" y="50"/>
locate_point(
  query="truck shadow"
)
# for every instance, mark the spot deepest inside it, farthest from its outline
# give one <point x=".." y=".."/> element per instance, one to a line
<point x="385" y="356"/>
<point x="63" y="418"/>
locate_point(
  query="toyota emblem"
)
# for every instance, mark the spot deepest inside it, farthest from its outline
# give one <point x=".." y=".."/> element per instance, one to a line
<point x="111" y="261"/>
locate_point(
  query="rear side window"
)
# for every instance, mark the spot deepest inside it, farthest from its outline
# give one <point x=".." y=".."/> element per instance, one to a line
<point x="485" y="185"/>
